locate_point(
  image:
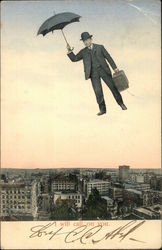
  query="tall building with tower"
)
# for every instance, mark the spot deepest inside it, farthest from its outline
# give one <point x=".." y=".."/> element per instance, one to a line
<point x="123" y="173"/>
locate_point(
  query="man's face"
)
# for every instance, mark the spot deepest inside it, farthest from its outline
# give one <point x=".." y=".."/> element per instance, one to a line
<point x="88" y="42"/>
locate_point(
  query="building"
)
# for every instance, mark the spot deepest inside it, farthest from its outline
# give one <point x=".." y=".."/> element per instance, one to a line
<point x="87" y="173"/>
<point x="18" y="199"/>
<point x="123" y="173"/>
<point x="139" y="178"/>
<point x="75" y="197"/>
<point x="44" y="203"/>
<point x="152" y="197"/>
<point x="108" y="200"/>
<point x="133" y="197"/>
<point x="111" y="206"/>
<point x="143" y="187"/>
<point x="116" y="193"/>
<point x="35" y="191"/>
<point x="135" y="192"/>
<point x="100" y="185"/>
<point x="132" y="178"/>
<point x="145" y="213"/>
<point x="148" y="199"/>
<point x="44" y="207"/>
<point x="136" y="178"/>
<point x="156" y="182"/>
<point x="61" y="184"/>
<point x="137" y="186"/>
<point x="45" y="184"/>
<point x="147" y="177"/>
<point x="156" y="208"/>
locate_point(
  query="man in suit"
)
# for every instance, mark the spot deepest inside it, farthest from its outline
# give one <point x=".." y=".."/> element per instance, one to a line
<point x="94" y="58"/>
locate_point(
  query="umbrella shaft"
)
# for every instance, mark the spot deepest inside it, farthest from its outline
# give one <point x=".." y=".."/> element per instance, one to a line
<point x="64" y="36"/>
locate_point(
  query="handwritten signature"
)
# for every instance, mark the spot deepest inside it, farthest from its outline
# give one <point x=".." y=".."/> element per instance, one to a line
<point x="84" y="234"/>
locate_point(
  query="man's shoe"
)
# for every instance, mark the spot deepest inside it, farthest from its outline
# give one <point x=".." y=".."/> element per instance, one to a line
<point x="102" y="112"/>
<point x="123" y="106"/>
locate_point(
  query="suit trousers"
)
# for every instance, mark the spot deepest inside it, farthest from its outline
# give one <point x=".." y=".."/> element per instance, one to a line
<point x="96" y="75"/>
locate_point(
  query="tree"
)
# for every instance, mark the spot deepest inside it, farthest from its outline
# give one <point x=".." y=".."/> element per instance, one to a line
<point x="3" y="177"/>
<point x="64" y="212"/>
<point x="95" y="207"/>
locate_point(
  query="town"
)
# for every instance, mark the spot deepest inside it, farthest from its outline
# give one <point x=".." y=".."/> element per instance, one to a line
<point x="121" y="193"/>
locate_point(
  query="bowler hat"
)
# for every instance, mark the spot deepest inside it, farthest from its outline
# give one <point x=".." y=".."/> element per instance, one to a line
<point x="85" y="36"/>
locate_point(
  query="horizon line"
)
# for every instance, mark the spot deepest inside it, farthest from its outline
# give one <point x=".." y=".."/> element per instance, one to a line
<point x="82" y="167"/>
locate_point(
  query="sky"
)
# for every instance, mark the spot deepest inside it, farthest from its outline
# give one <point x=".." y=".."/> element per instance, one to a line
<point x="48" y="109"/>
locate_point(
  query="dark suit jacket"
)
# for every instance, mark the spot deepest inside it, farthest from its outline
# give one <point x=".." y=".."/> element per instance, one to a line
<point x="101" y="54"/>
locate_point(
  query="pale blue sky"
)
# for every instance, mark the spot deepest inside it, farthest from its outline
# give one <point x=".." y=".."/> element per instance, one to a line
<point x="27" y="16"/>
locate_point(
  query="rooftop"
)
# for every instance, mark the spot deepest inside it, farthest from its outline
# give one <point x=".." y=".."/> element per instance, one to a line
<point x="134" y="191"/>
<point x="106" y="198"/>
<point x="144" y="211"/>
<point x="12" y="185"/>
<point x="98" y="181"/>
<point x="67" y="192"/>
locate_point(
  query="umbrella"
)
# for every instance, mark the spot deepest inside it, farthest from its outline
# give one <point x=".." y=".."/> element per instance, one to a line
<point x="58" y="22"/>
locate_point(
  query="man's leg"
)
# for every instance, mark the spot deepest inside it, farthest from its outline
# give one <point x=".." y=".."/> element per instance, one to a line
<point x="109" y="82"/>
<point x="97" y="87"/>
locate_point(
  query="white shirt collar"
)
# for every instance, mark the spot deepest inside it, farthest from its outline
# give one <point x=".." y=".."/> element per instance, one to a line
<point x="91" y="47"/>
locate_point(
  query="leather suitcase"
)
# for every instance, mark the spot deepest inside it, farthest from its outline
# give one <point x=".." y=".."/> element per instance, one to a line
<point x="120" y="80"/>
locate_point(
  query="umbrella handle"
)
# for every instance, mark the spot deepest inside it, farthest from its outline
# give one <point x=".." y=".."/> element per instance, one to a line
<point x="64" y="37"/>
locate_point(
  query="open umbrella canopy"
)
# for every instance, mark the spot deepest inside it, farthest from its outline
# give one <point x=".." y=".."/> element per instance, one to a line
<point x="58" y="22"/>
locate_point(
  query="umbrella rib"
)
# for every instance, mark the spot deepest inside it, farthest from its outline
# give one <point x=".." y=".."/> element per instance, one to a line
<point x="64" y="36"/>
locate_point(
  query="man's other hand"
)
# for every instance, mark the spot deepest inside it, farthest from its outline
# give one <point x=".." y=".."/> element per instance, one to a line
<point x="69" y="48"/>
